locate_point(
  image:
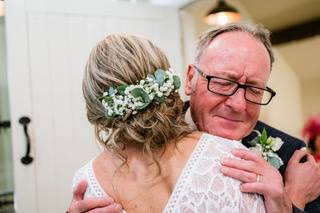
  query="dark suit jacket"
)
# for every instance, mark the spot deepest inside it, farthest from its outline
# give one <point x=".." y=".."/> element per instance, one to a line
<point x="287" y="149"/>
<point x="285" y="152"/>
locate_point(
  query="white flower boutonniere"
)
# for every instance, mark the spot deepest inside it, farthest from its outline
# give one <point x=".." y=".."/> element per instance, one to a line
<point x="267" y="146"/>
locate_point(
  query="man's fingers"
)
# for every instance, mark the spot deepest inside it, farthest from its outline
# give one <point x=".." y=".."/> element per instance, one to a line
<point x="247" y="155"/>
<point x="114" y="208"/>
<point x="311" y="159"/>
<point x="254" y="187"/>
<point x="297" y="155"/>
<point x="246" y="165"/>
<point x="240" y="175"/>
<point x="79" y="191"/>
<point x="264" y="189"/>
<point x="93" y="203"/>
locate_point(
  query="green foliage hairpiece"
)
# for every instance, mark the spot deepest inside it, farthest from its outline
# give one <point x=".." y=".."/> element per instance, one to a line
<point x="124" y="99"/>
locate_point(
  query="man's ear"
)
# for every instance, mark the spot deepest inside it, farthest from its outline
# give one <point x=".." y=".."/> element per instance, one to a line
<point x="188" y="86"/>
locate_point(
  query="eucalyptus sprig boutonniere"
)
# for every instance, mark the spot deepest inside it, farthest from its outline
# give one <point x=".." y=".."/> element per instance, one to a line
<point x="267" y="146"/>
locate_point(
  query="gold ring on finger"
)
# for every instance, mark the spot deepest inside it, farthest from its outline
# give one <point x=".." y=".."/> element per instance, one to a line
<point x="258" y="178"/>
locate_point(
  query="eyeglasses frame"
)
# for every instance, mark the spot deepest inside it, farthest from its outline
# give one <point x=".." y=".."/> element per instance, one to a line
<point x="239" y="85"/>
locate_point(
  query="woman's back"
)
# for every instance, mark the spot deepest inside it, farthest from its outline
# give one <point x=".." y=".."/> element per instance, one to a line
<point x="189" y="181"/>
<point x="139" y="186"/>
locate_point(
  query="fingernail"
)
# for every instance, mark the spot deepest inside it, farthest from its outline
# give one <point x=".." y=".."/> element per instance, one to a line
<point x="222" y="169"/>
<point x="241" y="187"/>
<point x="303" y="148"/>
<point x="234" y="151"/>
<point x="116" y="206"/>
<point x="224" y="160"/>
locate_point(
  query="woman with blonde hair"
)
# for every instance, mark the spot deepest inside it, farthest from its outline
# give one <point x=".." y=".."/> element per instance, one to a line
<point x="152" y="161"/>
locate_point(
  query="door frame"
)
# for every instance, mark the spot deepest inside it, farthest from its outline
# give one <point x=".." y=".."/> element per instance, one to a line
<point x="20" y="105"/>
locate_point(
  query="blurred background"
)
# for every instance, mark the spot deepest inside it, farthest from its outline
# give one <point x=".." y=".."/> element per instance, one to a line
<point x="44" y="135"/>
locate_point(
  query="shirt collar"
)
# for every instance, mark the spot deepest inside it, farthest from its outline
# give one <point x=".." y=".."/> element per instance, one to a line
<point x="192" y="125"/>
<point x="189" y="120"/>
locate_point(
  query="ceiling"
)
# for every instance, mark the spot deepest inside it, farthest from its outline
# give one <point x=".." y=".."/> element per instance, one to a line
<point x="301" y="55"/>
<point x="275" y="14"/>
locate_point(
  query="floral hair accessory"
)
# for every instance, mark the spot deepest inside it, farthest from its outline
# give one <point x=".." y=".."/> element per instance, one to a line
<point x="267" y="146"/>
<point x="123" y="100"/>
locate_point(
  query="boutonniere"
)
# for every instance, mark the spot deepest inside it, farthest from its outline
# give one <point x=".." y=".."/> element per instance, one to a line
<point x="267" y="146"/>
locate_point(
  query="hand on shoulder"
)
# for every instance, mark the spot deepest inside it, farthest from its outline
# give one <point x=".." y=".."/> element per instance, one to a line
<point x="91" y="205"/>
<point x="257" y="176"/>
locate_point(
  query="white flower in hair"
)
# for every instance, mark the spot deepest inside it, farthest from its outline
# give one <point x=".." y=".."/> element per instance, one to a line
<point x="131" y="98"/>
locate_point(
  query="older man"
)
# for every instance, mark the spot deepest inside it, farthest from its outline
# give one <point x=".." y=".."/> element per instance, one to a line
<point x="227" y="86"/>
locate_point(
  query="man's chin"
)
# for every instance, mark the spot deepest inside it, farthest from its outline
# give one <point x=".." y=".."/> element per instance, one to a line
<point x="229" y="133"/>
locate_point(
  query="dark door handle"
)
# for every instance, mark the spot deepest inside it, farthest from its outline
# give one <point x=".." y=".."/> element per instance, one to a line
<point x="4" y="124"/>
<point x="27" y="159"/>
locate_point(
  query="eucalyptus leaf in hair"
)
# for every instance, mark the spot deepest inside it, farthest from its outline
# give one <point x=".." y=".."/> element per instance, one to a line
<point x="121" y="89"/>
<point x="142" y="95"/>
<point x="159" y="99"/>
<point x="160" y="76"/>
<point x="176" y="82"/>
<point x="108" y="99"/>
<point x="127" y="99"/>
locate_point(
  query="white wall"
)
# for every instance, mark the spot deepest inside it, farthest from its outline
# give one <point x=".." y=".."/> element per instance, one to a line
<point x="310" y="97"/>
<point x="303" y="56"/>
<point x="285" y="110"/>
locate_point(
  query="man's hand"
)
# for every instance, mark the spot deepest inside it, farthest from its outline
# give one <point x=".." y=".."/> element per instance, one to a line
<point x="302" y="180"/>
<point x="257" y="176"/>
<point x="91" y="205"/>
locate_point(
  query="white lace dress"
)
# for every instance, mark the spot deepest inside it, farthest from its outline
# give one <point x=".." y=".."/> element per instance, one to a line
<point x="201" y="187"/>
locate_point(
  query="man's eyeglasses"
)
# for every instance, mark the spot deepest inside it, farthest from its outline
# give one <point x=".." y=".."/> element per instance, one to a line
<point x="226" y="87"/>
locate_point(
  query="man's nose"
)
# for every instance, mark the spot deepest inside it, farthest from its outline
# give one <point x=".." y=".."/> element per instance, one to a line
<point x="237" y="101"/>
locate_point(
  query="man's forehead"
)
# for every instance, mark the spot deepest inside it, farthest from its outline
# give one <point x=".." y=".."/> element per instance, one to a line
<point x="232" y="40"/>
<point x="234" y="44"/>
<point x="234" y="36"/>
<point x="234" y="54"/>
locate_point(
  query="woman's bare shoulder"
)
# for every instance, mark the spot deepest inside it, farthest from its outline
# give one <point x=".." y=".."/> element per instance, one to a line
<point x="105" y="164"/>
<point x="188" y="143"/>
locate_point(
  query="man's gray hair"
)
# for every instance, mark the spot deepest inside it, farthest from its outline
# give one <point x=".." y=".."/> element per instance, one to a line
<point x="256" y="30"/>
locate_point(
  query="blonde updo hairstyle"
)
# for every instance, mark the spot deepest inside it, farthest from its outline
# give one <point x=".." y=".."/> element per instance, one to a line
<point x="122" y="59"/>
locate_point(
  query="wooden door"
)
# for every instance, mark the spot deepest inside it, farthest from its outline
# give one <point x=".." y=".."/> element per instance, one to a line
<point x="48" y="43"/>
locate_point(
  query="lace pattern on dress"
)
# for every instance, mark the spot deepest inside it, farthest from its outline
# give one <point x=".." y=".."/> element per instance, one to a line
<point x="203" y="188"/>
<point x="94" y="189"/>
<point x="184" y="176"/>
